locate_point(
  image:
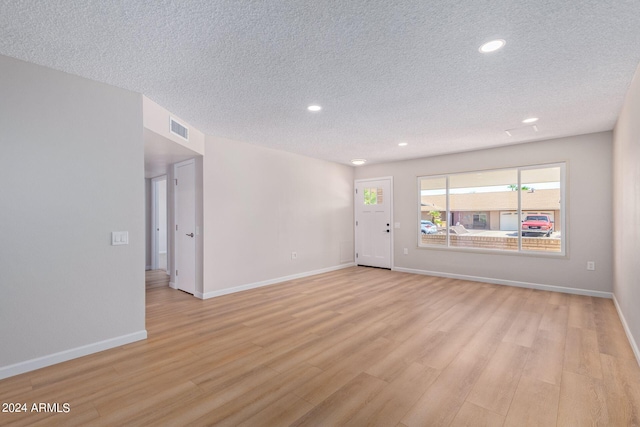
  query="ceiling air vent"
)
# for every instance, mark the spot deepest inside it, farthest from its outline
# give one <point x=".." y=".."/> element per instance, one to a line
<point x="522" y="132"/>
<point x="179" y="129"/>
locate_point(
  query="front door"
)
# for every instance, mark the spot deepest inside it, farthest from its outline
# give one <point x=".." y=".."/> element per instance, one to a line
<point x="373" y="201"/>
<point x="185" y="255"/>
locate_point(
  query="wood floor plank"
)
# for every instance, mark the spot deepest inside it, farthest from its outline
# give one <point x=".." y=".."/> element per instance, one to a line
<point x="143" y="408"/>
<point x="559" y="298"/>
<point x="448" y="346"/>
<point x="341" y="406"/>
<point x="342" y="371"/>
<point x="491" y="322"/>
<point x="471" y="415"/>
<point x="583" y="401"/>
<point x="406" y="353"/>
<point x="295" y="327"/>
<point x="395" y="400"/>
<point x="622" y="386"/>
<point x="283" y="412"/>
<point x="356" y="346"/>
<point x="260" y="399"/>
<point x="460" y="313"/>
<point x="315" y="352"/>
<point x="614" y="343"/>
<point x="443" y="399"/>
<point x="15" y="386"/>
<point x="535" y="403"/>
<point x="439" y="405"/>
<point x="346" y="347"/>
<point x="555" y="321"/>
<point x="156" y="279"/>
<point x="581" y="316"/>
<point x="497" y="383"/>
<point x="581" y="354"/>
<point x="546" y="358"/>
<point x="441" y="402"/>
<point x="403" y="327"/>
<point x="214" y="397"/>
<point x="525" y="326"/>
<point x="612" y="339"/>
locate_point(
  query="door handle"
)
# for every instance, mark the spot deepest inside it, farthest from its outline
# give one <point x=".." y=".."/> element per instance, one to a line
<point x="190" y="234"/>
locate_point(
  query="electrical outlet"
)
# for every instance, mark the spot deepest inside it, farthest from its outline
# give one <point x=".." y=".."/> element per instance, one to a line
<point x="294" y="255"/>
<point x="406" y="251"/>
<point x="591" y="265"/>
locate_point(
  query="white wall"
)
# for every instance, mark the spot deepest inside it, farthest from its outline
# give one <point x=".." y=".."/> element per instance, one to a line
<point x="626" y="187"/>
<point x="589" y="203"/>
<point x="71" y="171"/>
<point x="261" y="204"/>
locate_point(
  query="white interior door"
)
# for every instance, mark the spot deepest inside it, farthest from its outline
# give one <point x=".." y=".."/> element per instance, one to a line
<point x="185" y="213"/>
<point x="373" y="202"/>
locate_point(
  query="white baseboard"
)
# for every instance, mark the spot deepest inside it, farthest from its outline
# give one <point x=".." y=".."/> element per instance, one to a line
<point x="248" y="286"/>
<point x="494" y="281"/>
<point x="172" y="285"/>
<point x="632" y="341"/>
<point x="63" y="356"/>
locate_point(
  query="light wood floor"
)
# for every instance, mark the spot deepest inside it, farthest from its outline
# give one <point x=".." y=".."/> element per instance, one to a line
<point x="156" y="278"/>
<point x="353" y="347"/>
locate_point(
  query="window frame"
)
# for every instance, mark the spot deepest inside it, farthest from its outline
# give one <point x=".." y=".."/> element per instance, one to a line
<point x="562" y="165"/>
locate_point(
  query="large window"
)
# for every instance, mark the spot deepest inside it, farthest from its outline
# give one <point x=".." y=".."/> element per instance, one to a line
<point x="516" y="209"/>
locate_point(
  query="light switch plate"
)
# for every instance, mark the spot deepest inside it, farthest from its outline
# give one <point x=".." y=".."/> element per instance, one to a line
<point x="119" y="238"/>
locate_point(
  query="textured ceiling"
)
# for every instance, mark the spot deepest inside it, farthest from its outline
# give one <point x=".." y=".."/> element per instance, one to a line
<point x="383" y="71"/>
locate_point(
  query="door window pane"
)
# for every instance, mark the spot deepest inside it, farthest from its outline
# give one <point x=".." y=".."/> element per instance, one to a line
<point x="373" y="196"/>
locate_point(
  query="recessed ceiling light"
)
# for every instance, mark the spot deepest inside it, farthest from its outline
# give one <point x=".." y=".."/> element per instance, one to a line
<point x="530" y="120"/>
<point x="358" y="162"/>
<point x="403" y="144"/>
<point x="492" y="46"/>
<point x="314" y="108"/>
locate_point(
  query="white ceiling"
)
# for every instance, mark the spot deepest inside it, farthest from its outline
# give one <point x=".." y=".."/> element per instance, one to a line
<point x="383" y="71"/>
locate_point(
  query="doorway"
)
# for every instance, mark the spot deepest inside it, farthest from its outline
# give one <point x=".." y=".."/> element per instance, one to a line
<point x="374" y="230"/>
<point x="159" y="240"/>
